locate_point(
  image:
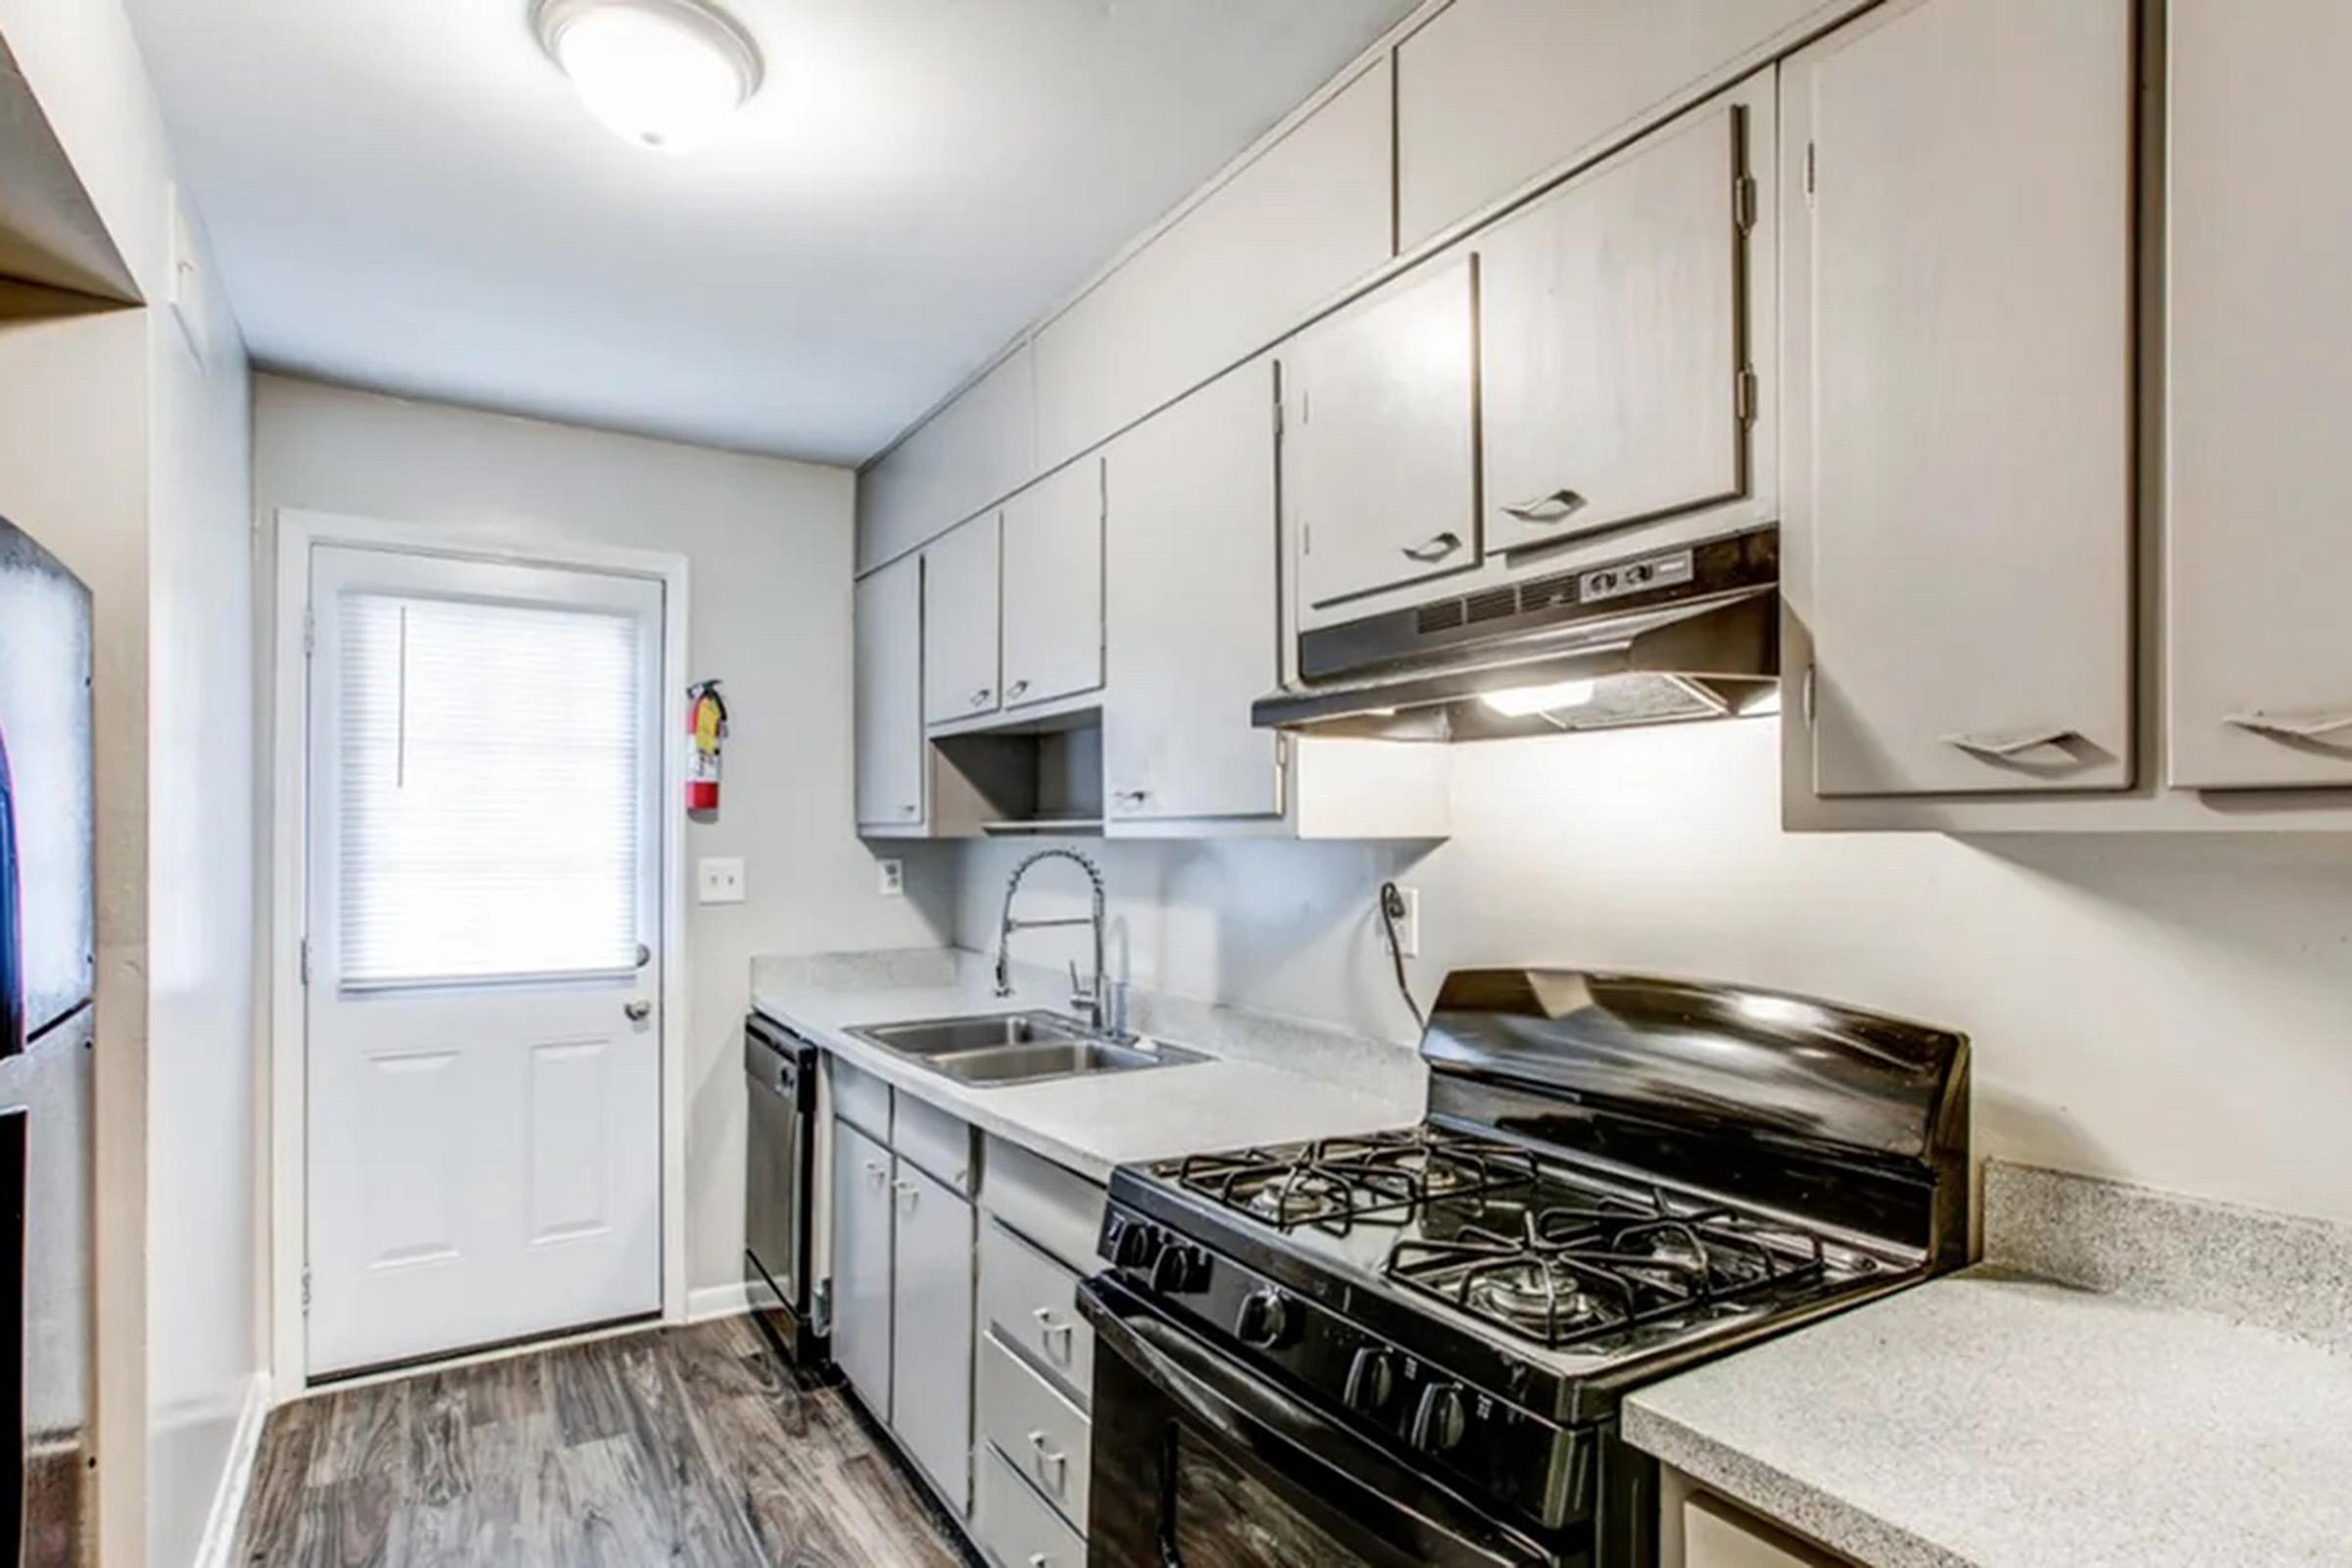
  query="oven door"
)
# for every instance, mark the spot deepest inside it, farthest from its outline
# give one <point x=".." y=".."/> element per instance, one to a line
<point x="1199" y="1462"/>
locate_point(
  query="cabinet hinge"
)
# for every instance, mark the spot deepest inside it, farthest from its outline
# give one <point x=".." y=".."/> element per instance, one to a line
<point x="1307" y="538"/>
<point x="1278" y="414"/>
<point x="1812" y="173"/>
<point x="1808" y="696"/>
<point x="310" y="634"/>
<point x="1743" y="394"/>
<point x="1744" y="201"/>
<point x="306" y="961"/>
<point x="306" y="1291"/>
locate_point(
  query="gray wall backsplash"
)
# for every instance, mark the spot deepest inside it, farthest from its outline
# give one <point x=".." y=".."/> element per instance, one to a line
<point x="2175" y="1011"/>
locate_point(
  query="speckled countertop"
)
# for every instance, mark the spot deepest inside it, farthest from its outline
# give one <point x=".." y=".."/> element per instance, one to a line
<point x="1269" y="1080"/>
<point x="2132" y="1379"/>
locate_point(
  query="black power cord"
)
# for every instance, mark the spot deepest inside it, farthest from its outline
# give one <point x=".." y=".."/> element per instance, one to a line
<point x="1391" y="910"/>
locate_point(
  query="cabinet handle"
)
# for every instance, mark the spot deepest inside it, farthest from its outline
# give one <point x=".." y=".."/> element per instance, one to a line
<point x="876" y="1169"/>
<point x="981" y="697"/>
<point x="1048" y="1328"/>
<point x="1051" y="1456"/>
<point x="1437" y="546"/>
<point x="908" y="1194"/>
<point x="2279" y="727"/>
<point x="1015" y="690"/>
<point x="1546" y="509"/>
<point x="1132" y="797"/>
<point x="1037" y="1559"/>
<point x="2008" y="748"/>
<point x="910" y="809"/>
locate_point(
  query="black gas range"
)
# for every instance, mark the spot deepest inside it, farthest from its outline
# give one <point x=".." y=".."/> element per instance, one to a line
<point x="1410" y="1347"/>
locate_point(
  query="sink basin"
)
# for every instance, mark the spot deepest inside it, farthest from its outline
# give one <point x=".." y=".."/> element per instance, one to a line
<point x="1019" y="1048"/>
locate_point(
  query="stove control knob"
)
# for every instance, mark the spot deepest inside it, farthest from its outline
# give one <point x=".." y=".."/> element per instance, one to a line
<point x="1442" y="1419"/>
<point x="1266" y="1319"/>
<point x="1179" y="1268"/>
<point x="1371" y="1381"/>
<point x="1134" y="1244"/>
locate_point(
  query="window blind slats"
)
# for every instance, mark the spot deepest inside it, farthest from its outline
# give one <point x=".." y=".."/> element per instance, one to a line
<point x="489" y="772"/>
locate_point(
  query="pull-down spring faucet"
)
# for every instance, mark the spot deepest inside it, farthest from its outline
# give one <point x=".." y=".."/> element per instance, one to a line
<point x="1097" y="997"/>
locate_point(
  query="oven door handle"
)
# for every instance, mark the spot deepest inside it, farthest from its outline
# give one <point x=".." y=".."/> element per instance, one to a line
<point x="1425" y="1523"/>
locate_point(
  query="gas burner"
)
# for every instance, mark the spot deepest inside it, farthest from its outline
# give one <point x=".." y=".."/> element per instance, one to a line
<point x="1580" y="1269"/>
<point x="1337" y="1183"/>
<point x="1535" y="1297"/>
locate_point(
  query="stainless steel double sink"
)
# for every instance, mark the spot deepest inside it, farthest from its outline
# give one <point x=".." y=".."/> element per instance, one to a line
<point x="1017" y="1048"/>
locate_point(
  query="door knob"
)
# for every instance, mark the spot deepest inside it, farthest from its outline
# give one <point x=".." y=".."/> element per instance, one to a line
<point x="638" y="1011"/>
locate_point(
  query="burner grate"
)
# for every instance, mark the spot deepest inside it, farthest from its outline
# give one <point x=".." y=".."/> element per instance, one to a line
<point x="1337" y="1183"/>
<point x="1575" y="1271"/>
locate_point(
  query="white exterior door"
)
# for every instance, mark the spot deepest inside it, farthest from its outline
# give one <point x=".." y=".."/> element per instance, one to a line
<point x="483" y="1003"/>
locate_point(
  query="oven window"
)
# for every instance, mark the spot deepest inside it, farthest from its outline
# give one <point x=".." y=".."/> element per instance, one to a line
<point x="1227" y="1518"/>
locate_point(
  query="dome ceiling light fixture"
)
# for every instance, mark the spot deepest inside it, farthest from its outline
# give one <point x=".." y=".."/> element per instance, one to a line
<point x="662" y="74"/>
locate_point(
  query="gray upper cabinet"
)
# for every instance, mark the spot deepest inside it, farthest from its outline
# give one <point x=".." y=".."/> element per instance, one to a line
<point x="1053" y="587"/>
<point x="1286" y="232"/>
<point x="1491" y="94"/>
<point x="2260" y="374"/>
<point x="1958" y="484"/>
<point x="960" y="621"/>
<point x="888" y="606"/>
<point x="1380" y="439"/>
<point x="1192" y="557"/>
<point x="1614" y="350"/>
<point x="970" y="455"/>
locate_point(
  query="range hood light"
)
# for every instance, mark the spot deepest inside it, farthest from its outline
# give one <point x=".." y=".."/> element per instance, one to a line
<point x="1524" y="702"/>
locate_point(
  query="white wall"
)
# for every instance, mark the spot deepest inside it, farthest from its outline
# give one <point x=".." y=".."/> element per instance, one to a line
<point x="2174" y="1010"/>
<point x="177" y="1335"/>
<point x="769" y="544"/>
<point x="203" y="1251"/>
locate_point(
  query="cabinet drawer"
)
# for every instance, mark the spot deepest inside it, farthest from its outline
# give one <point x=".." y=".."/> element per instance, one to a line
<point x="1043" y="1436"/>
<point x="861" y="1099"/>
<point x="1059" y="1210"/>
<point x="1015" y="1528"/>
<point x="935" y="1143"/>
<point x="1031" y="1302"/>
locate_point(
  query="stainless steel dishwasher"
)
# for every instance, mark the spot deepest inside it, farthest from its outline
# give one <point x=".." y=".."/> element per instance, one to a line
<point x="779" y="1199"/>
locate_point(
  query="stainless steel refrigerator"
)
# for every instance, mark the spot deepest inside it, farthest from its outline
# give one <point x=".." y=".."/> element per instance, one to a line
<point x="47" y="971"/>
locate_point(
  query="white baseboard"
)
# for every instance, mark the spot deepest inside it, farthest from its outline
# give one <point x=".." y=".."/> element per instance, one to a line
<point x="236" y="1477"/>
<point x="712" y="1301"/>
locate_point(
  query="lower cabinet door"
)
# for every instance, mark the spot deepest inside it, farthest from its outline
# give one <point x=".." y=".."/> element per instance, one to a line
<point x="1014" y="1525"/>
<point x="931" y="1328"/>
<point x="861" y="1218"/>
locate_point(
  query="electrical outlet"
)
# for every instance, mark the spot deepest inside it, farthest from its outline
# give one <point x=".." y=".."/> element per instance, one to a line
<point x="890" y="879"/>
<point x="1408" y="923"/>
<point x="719" y="880"/>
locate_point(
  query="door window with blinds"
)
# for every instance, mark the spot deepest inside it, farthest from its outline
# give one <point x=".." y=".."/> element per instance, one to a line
<point x="489" y="822"/>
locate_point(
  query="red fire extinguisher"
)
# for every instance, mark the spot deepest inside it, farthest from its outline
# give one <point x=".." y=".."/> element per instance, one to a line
<point x="707" y="722"/>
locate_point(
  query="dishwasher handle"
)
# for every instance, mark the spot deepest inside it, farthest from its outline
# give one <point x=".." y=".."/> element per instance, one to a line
<point x="780" y="1062"/>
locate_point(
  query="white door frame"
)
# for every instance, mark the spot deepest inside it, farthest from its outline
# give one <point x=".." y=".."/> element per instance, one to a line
<point x="298" y="533"/>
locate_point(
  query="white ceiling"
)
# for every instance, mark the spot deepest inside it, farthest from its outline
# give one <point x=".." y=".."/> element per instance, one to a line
<point x="405" y="194"/>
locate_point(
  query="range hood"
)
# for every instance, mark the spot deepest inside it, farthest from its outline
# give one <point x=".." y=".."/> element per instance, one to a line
<point x="1671" y="635"/>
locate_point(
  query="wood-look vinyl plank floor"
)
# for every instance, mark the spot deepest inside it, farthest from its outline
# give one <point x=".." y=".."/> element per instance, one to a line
<point x="692" y="1447"/>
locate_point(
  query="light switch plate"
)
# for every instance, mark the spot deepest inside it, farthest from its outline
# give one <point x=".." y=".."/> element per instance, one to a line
<point x="890" y="879"/>
<point x="719" y="880"/>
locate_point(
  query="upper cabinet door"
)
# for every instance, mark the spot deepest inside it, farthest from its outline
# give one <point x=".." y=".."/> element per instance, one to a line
<point x="1054" y="586"/>
<point x="961" y="622"/>
<point x="889" y="611"/>
<point x="1959" y="332"/>
<point x="1192" y="554"/>
<point x="2259" y="264"/>
<point x="1614" y="353"/>
<point x="1380" y="439"/>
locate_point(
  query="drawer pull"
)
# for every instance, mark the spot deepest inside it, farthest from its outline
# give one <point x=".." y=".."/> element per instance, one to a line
<point x="1048" y="1329"/>
<point x="877" y="1170"/>
<point x="2008" y="748"/>
<point x="1014" y="692"/>
<point x="2281" y="727"/>
<point x="1437" y="546"/>
<point x="907" y="1193"/>
<point x="1049" y="1455"/>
